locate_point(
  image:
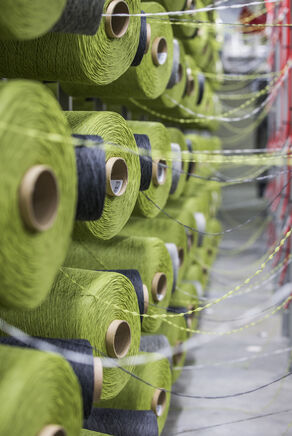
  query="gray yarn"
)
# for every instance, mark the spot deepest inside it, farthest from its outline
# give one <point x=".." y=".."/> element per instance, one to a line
<point x="172" y="249"/>
<point x="175" y="66"/>
<point x="156" y="343"/>
<point x="176" y="167"/>
<point x="80" y="16"/>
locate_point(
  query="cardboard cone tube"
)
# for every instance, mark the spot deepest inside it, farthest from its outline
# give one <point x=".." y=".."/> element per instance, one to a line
<point x="191" y="5"/>
<point x="158" y="402"/>
<point x="116" y="176"/>
<point x="159" y="170"/>
<point x="98" y="378"/>
<point x="118" y="339"/>
<point x="148" y="40"/>
<point x="146" y="298"/>
<point x="177" y="357"/>
<point x="159" y="287"/>
<point x="116" y="25"/>
<point x="39" y="198"/>
<point x="181" y="256"/>
<point x="52" y="430"/>
<point x="159" y="51"/>
<point x="190" y="87"/>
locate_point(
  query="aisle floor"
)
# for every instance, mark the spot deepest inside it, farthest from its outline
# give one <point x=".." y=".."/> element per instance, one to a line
<point x="228" y="271"/>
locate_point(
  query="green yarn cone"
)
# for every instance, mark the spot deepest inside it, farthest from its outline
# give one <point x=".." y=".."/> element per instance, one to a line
<point x="160" y="147"/>
<point x="114" y="130"/>
<point x="148" y="255"/>
<point x="146" y="81"/>
<point x="187" y="29"/>
<point x="166" y="100"/>
<point x="172" y="5"/>
<point x="91" y="433"/>
<point x="138" y="396"/>
<point x="37" y="389"/>
<point x="185" y="295"/>
<point x="82" y="305"/>
<point x="93" y="60"/>
<point x="162" y="228"/>
<point x="33" y="132"/>
<point x="27" y="19"/>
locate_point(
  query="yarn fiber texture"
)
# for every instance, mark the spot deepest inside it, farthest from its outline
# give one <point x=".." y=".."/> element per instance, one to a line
<point x="31" y="258"/>
<point x="75" y="58"/>
<point x="84" y="373"/>
<point x="147" y="255"/>
<point x="138" y="396"/>
<point x="177" y="137"/>
<point x="82" y="305"/>
<point x="188" y="296"/>
<point x="91" y="433"/>
<point x="113" y="129"/>
<point x="147" y="80"/>
<point x="163" y="228"/>
<point x="82" y="17"/>
<point x="123" y="422"/>
<point x="27" y="19"/>
<point x="176" y="92"/>
<point x="160" y="146"/>
<point x="172" y="5"/>
<point x="186" y="32"/>
<point x="37" y="389"/>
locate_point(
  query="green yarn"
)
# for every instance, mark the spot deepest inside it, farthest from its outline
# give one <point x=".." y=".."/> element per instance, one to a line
<point x="146" y="81"/>
<point x="160" y="147"/>
<point x="198" y="47"/>
<point x="137" y="395"/>
<point x="27" y="19"/>
<point x="172" y="5"/>
<point x="68" y="57"/>
<point x="177" y="91"/>
<point x="31" y="259"/>
<point x="185" y="31"/>
<point x="82" y="305"/>
<point x="178" y="137"/>
<point x="195" y="273"/>
<point x="161" y="228"/>
<point x="37" y="389"/>
<point x="113" y="129"/>
<point x="185" y="296"/>
<point x="148" y="255"/>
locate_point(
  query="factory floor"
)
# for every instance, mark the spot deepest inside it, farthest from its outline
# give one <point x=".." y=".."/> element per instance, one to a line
<point x="205" y="416"/>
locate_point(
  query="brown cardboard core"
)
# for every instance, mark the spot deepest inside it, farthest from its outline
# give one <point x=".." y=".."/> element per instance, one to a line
<point x="159" y="51"/>
<point x="190" y="84"/>
<point x="159" y="287"/>
<point x="116" y="25"/>
<point x="116" y="176"/>
<point x="52" y="430"/>
<point x="159" y="169"/>
<point x="98" y="378"/>
<point x="181" y="256"/>
<point x="191" y="5"/>
<point x="148" y="40"/>
<point x="118" y="338"/>
<point x="177" y="357"/>
<point x="146" y="298"/>
<point x="158" y="402"/>
<point x="39" y="198"/>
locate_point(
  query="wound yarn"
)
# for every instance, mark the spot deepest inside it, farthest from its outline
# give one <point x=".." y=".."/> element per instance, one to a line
<point x="114" y="130"/>
<point x="172" y="250"/>
<point x="191" y="165"/>
<point x="147" y="255"/>
<point x="84" y="373"/>
<point x="155" y="343"/>
<point x="122" y="422"/>
<point x="82" y="17"/>
<point x="142" y="47"/>
<point x="35" y="230"/>
<point x="175" y="65"/>
<point x="82" y="305"/>
<point x="160" y="146"/>
<point x="27" y="19"/>
<point x="37" y="389"/>
<point x="139" y="396"/>
<point x="143" y="143"/>
<point x="91" y="179"/>
<point x="64" y="57"/>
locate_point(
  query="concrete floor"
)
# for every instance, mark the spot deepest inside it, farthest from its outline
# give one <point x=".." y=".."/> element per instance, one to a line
<point x="229" y="378"/>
